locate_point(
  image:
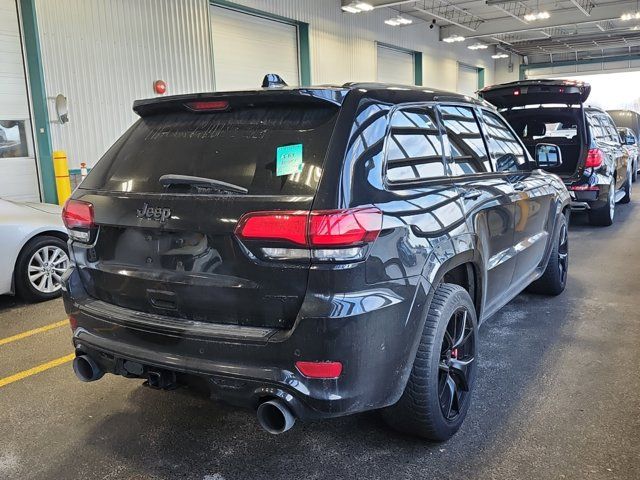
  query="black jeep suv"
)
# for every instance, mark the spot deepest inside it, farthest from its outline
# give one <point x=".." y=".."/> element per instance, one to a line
<point x="594" y="165"/>
<point x="310" y="252"/>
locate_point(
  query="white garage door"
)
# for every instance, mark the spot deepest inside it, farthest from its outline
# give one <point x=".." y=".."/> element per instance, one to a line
<point x="247" y="47"/>
<point x="18" y="174"/>
<point x="395" y="66"/>
<point x="467" y="80"/>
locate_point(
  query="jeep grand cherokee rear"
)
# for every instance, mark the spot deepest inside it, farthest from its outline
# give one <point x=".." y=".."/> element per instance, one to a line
<point x="293" y="249"/>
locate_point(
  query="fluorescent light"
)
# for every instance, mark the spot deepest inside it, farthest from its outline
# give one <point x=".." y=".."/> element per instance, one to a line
<point x="630" y="16"/>
<point x="453" y="38"/>
<point x="530" y="17"/>
<point x="500" y="55"/>
<point x="350" y="9"/>
<point x="357" y="7"/>
<point x="478" y="46"/>
<point x="364" y="7"/>
<point x="398" y="21"/>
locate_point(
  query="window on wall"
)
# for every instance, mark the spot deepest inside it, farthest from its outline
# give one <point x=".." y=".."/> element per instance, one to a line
<point x="468" y="151"/>
<point x="246" y="47"/>
<point x="14" y="139"/>
<point x="414" y="146"/>
<point x="395" y="66"/>
<point x="505" y="149"/>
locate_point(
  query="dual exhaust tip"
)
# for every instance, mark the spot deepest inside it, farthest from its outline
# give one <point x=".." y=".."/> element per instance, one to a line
<point x="273" y="415"/>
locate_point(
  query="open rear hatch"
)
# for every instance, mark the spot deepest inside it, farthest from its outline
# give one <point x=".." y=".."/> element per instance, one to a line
<point x="536" y="92"/>
<point x="167" y="198"/>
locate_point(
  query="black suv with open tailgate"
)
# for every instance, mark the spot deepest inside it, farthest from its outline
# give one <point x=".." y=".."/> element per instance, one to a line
<point x="310" y="252"/>
<point x="593" y="164"/>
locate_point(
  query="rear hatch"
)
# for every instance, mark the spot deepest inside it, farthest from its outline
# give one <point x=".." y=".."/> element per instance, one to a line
<point x="165" y="241"/>
<point x="536" y="92"/>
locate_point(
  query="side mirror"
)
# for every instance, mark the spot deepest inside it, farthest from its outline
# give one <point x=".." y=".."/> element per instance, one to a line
<point x="548" y="155"/>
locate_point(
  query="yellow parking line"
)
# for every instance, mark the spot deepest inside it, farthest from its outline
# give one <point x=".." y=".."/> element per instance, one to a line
<point x="28" y="333"/>
<point x="37" y="369"/>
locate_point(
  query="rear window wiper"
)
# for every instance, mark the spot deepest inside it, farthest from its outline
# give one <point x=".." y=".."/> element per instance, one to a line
<point x="212" y="183"/>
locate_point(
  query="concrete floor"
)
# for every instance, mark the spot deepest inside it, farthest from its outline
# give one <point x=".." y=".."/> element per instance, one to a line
<point x="558" y="397"/>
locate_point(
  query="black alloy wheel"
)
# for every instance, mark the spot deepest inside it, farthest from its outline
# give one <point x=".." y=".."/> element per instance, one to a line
<point x="563" y="253"/>
<point x="457" y="364"/>
<point x="438" y="392"/>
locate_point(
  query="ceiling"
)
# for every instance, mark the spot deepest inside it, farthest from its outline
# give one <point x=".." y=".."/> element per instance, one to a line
<point x="575" y="29"/>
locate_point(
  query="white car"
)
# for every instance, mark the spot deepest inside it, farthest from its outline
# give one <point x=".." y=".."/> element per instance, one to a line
<point x="33" y="250"/>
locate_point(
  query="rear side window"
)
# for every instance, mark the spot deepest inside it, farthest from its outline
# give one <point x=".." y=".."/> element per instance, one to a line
<point x="414" y="146"/>
<point x="468" y="151"/>
<point x="505" y="149"/>
<point x="598" y="131"/>
<point x="267" y="149"/>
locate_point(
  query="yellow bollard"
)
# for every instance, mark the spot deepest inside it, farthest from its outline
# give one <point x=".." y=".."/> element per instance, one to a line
<point x="61" y="169"/>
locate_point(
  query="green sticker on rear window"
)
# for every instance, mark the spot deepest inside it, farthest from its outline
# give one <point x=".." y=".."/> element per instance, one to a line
<point x="289" y="159"/>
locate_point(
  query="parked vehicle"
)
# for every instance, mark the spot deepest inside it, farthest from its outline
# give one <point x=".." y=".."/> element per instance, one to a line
<point x="33" y="251"/>
<point x="630" y="144"/>
<point x="595" y="167"/>
<point x="311" y="252"/>
<point x="626" y="118"/>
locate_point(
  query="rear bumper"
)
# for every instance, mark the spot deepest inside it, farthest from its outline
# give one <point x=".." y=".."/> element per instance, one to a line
<point x="582" y="200"/>
<point x="373" y="333"/>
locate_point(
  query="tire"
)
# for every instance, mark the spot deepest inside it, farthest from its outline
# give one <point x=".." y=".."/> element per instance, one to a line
<point x="44" y="258"/>
<point x="554" y="279"/>
<point x="440" y="380"/>
<point x="603" y="217"/>
<point x="628" y="186"/>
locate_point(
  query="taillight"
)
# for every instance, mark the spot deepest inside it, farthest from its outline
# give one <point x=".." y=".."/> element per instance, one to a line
<point x="329" y="234"/>
<point x="78" y="218"/>
<point x="286" y="226"/>
<point x="324" y="370"/>
<point x="595" y="157"/>
<point x="342" y="228"/>
<point x="205" y="105"/>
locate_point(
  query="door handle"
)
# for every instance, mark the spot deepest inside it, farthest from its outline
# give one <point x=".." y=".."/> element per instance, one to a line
<point x="520" y="186"/>
<point x="472" y="194"/>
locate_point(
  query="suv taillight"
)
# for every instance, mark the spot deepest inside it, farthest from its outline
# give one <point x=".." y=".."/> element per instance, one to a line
<point x="329" y="234"/>
<point x="78" y="218"/>
<point x="595" y="157"/>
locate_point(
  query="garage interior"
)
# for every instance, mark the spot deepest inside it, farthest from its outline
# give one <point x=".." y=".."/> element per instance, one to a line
<point x="559" y="378"/>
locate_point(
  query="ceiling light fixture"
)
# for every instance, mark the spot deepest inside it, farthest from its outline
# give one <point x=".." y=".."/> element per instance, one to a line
<point x="630" y="16"/>
<point x="478" y="46"/>
<point x="453" y="38"/>
<point x="500" y="55"/>
<point x="357" y="7"/>
<point x="531" y="17"/>
<point x="398" y="21"/>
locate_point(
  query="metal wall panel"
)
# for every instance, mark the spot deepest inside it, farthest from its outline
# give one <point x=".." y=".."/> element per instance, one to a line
<point x="104" y="54"/>
<point x="343" y="45"/>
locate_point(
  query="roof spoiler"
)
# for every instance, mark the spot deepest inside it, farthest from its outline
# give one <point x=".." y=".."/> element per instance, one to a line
<point x="276" y="96"/>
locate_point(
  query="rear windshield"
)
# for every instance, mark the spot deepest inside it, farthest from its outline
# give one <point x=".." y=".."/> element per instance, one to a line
<point x="269" y="150"/>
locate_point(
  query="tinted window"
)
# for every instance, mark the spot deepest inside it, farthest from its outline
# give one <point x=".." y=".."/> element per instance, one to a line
<point x="240" y="146"/>
<point x="414" y="146"/>
<point x="597" y="131"/>
<point x="505" y="149"/>
<point x="468" y="151"/>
